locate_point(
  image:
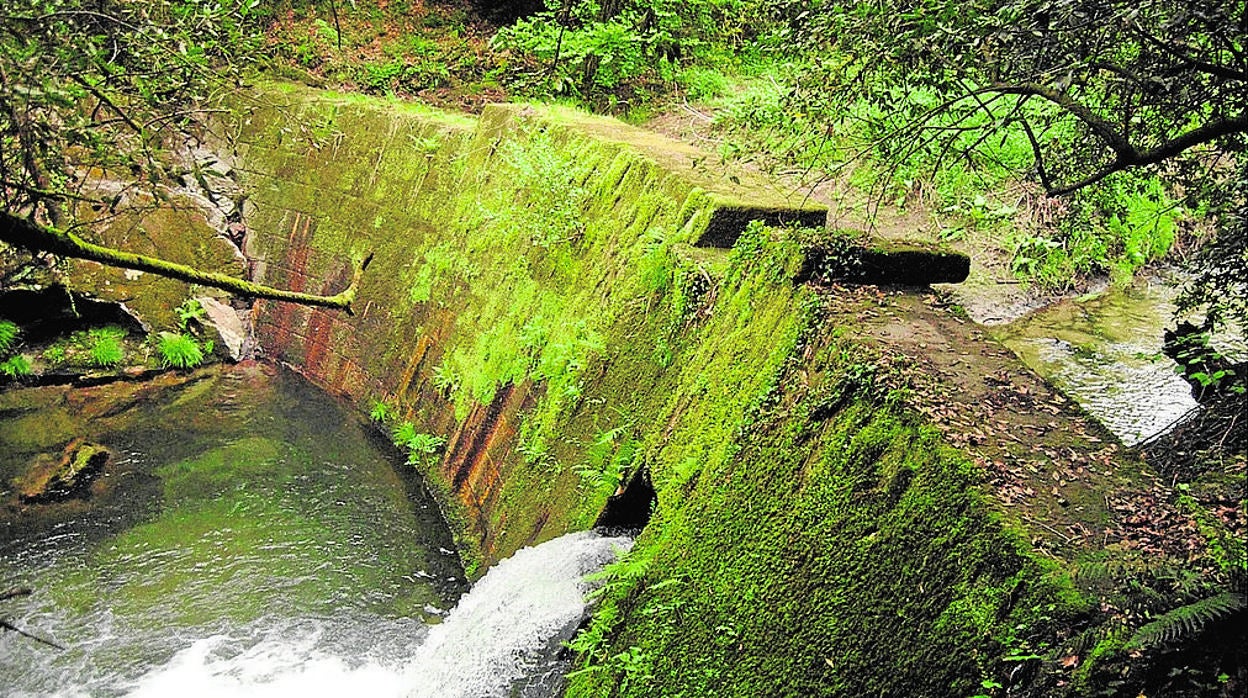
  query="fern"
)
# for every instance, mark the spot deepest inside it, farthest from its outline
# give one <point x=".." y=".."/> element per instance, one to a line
<point x="381" y="412"/>
<point x="1084" y="643"/>
<point x="403" y="433"/>
<point x="15" y="366"/>
<point x="1190" y="620"/>
<point x="1111" y="572"/>
<point x="8" y="335"/>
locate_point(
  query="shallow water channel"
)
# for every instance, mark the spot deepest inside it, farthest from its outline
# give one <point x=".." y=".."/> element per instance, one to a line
<point x="1104" y="351"/>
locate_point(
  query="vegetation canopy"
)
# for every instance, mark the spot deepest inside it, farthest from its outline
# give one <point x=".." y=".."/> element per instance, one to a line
<point x="1094" y="87"/>
<point x="93" y="98"/>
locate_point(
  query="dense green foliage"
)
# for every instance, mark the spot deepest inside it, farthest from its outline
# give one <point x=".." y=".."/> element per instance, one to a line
<point x="1067" y="92"/>
<point x="1095" y="84"/>
<point x="100" y="85"/>
<point x="1221" y="283"/>
<point x="620" y="51"/>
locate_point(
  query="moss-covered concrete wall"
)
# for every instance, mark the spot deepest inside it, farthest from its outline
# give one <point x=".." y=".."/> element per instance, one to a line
<point x="551" y="295"/>
<point x="507" y="252"/>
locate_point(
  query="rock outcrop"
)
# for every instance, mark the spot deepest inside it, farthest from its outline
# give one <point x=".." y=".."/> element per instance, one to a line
<point x="54" y="479"/>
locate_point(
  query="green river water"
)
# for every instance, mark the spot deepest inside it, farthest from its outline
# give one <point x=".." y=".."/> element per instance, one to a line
<point x="242" y="506"/>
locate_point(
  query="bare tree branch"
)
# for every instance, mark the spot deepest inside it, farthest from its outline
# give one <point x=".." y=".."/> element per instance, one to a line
<point x="1197" y="64"/>
<point x="1137" y="158"/>
<point x="1125" y="154"/>
<point x="1103" y="129"/>
<point x="104" y="99"/>
<point x="1039" y="155"/>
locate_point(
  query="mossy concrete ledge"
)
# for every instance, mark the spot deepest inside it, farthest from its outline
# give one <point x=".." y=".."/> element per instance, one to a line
<point x="543" y="298"/>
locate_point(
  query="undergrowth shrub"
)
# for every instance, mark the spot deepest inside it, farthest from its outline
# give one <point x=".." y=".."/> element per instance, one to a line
<point x="1130" y="221"/>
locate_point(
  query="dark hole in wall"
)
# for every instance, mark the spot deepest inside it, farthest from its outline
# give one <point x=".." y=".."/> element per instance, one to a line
<point x="905" y="267"/>
<point x="630" y="508"/>
<point x="53" y="311"/>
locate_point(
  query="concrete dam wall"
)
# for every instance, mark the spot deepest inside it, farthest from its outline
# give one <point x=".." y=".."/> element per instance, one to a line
<point x="597" y="325"/>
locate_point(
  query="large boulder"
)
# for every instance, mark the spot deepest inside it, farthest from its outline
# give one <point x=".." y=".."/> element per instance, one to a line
<point x="232" y="333"/>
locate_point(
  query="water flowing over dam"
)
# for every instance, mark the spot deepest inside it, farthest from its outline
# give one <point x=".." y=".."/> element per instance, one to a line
<point x="257" y="540"/>
<point x="501" y="639"/>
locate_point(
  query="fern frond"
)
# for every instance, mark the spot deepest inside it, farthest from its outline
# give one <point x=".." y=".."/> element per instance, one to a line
<point x="1083" y="643"/>
<point x="1190" y="620"/>
<point x="1098" y="572"/>
<point x="1145" y="600"/>
<point x="8" y="335"/>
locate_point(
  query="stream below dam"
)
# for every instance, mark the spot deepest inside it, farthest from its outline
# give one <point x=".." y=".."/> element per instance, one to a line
<point x="253" y="537"/>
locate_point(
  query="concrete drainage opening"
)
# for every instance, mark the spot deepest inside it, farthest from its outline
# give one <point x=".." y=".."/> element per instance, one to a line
<point x="629" y="508"/>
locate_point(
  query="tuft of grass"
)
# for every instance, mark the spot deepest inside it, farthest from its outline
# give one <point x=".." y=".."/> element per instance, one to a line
<point x="700" y="83"/>
<point x="179" y="350"/>
<point x="106" y="352"/>
<point x="98" y="347"/>
<point x="403" y="433"/>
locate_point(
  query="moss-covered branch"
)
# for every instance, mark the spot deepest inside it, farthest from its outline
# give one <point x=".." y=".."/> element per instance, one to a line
<point x="29" y="235"/>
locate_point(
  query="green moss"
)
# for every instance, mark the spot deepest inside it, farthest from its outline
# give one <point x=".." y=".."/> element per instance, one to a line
<point x="539" y="302"/>
<point x="811" y="537"/>
<point x="806" y="557"/>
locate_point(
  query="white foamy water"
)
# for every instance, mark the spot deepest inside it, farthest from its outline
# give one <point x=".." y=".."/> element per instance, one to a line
<point x="503" y="633"/>
<point x="501" y="629"/>
<point x="272" y="668"/>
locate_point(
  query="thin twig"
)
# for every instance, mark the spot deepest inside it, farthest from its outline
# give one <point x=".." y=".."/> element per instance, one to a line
<point x="6" y="625"/>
